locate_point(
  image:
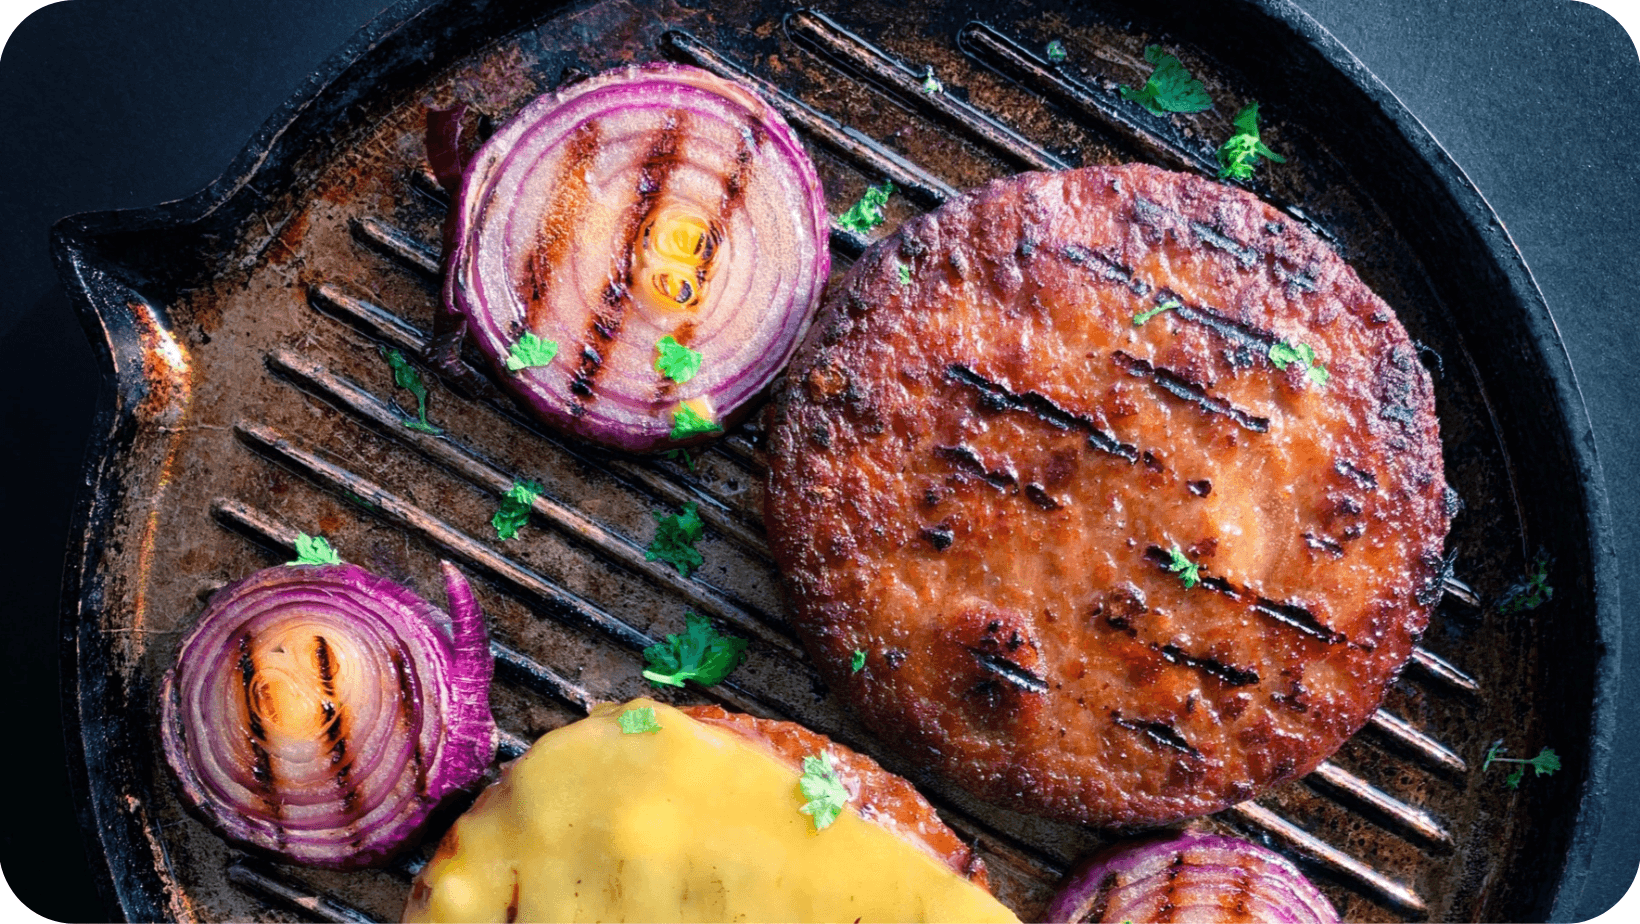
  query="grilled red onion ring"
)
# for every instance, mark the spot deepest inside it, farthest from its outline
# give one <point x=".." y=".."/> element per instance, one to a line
<point x="1190" y="876"/>
<point x="321" y="712"/>
<point x="646" y="202"/>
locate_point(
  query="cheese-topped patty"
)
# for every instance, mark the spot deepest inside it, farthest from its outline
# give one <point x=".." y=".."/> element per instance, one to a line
<point x="698" y="820"/>
<point x="1126" y="485"/>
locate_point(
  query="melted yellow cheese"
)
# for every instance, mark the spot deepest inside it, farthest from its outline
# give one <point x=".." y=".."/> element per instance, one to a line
<point x="689" y="823"/>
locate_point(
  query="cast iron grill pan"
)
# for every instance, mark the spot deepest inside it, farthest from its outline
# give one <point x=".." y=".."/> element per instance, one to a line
<point x="245" y="330"/>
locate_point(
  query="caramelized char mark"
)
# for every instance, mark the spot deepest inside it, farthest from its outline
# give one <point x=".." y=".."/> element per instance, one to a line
<point x="996" y="397"/>
<point x="561" y="219"/>
<point x="261" y="766"/>
<point x="659" y="162"/>
<point x="335" y="721"/>
<point x="1181" y="387"/>
<point x="407" y="705"/>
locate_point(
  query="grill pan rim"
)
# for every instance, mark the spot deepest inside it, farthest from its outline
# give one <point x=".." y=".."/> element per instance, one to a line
<point x="125" y="865"/>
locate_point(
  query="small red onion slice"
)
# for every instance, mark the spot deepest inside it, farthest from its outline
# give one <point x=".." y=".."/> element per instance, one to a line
<point x="1190" y="876"/>
<point x="650" y="201"/>
<point x="320" y="713"/>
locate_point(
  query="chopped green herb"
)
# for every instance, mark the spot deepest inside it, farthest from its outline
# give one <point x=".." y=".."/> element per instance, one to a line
<point x="1283" y="354"/>
<point x="314" y="550"/>
<point x="638" y="721"/>
<point x="824" y="790"/>
<point x="905" y="274"/>
<point x="359" y="500"/>
<point x="1240" y="153"/>
<point x="1170" y="87"/>
<point x="675" y="538"/>
<point x="1056" y="51"/>
<point x="1532" y="592"/>
<point x="1544" y="764"/>
<point x="931" y="84"/>
<point x="699" y="653"/>
<point x="529" y="351"/>
<point x="1187" y="570"/>
<point x="676" y="361"/>
<point x="687" y="423"/>
<point x="405" y="376"/>
<point x="866" y="214"/>
<point x="1144" y="316"/>
<point x="514" y="513"/>
<point x="858" y="662"/>
<point x="676" y="454"/>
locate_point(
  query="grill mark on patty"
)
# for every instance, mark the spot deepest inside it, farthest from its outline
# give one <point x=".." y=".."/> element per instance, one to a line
<point x="1360" y="476"/>
<point x="1180" y="387"/>
<point x="994" y="396"/>
<point x="562" y="216"/>
<point x="1159" y="732"/>
<point x="1234" y="676"/>
<point x="1040" y="497"/>
<point x="965" y="460"/>
<point x="1245" y="255"/>
<point x="1288" y="614"/>
<point x="334" y="721"/>
<point x="659" y="162"/>
<point x="1107" y="268"/>
<point x="261" y="766"/>
<point x="1009" y="671"/>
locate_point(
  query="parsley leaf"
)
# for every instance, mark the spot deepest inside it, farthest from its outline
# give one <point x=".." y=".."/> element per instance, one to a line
<point x="1056" y="51"/>
<point x="1187" y="570"/>
<point x="858" y="662"/>
<point x="687" y="423"/>
<point x="824" y="790"/>
<point x="677" y="362"/>
<point x="1544" y="764"/>
<point x="515" y="509"/>
<point x="405" y="376"/>
<point x="1170" y="87"/>
<point x="905" y="274"/>
<point x="529" y="351"/>
<point x="1240" y="153"/>
<point x="931" y="84"/>
<point x="638" y="721"/>
<point x="675" y="538"/>
<point x="676" y="454"/>
<point x="699" y="653"/>
<point x="1284" y="354"/>
<point x="1143" y="316"/>
<point x="1532" y="592"/>
<point x="314" y="550"/>
<point x="866" y="214"/>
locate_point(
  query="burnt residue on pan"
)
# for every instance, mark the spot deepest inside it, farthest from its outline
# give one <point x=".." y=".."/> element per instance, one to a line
<point x="243" y="331"/>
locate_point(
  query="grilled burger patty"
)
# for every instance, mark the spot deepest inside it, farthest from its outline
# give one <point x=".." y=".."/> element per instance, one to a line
<point x="1112" y="572"/>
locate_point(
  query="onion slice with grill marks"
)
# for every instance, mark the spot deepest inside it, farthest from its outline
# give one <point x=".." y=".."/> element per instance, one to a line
<point x="647" y="202"/>
<point x="1190" y="876"/>
<point x="320" y="713"/>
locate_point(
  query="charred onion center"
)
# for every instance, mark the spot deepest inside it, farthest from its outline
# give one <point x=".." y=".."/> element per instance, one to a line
<point x="675" y="259"/>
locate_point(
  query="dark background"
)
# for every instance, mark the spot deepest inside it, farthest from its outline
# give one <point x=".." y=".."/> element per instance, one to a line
<point x="109" y="104"/>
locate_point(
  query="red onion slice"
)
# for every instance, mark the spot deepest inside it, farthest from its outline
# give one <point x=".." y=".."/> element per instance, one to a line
<point x="651" y="201"/>
<point x="321" y="712"/>
<point x="1190" y="876"/>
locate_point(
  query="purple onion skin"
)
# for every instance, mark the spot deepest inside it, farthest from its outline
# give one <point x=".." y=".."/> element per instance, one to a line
<point x="319" y="713"/>
<point x="754" y="305"/>
<point x="1191" y="876"/>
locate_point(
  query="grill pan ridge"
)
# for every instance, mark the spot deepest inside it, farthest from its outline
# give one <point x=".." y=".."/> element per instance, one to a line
<point x="242" y="326"/>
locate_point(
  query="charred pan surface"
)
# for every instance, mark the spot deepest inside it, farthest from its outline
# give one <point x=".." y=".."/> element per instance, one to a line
<point x="1041" y="653"/>
<point x="878" y="795"/>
